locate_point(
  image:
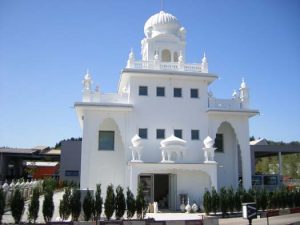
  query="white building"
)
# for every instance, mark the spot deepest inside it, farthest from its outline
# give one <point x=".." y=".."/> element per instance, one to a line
<point x="129" y="136"/>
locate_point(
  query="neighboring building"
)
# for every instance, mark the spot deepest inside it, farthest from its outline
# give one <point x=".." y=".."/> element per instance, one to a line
<point x="159" y="128"/>
<point x="42" y="170"/>
<point x="70" y="161"/>
<point x="13" y="160"/>
<point x="274" y="176"/>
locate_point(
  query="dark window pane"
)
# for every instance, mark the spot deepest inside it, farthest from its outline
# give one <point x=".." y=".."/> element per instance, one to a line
<point x="195" y="134"/>
<point x="160" y="133"/>
<point x="194" y="93"/>
<point x="143" y="133"/>
<point x="106" y="140"/>
<point x="160" y="91"/>
<point x="177" y="92"/>
<point x="219" y="143"/>
<point x="143" y="90"/>
<point x="178" y="133"/>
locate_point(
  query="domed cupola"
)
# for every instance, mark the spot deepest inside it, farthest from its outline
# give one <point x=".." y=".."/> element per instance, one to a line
<point x="162" y="23"/>
<point x="164" y="38"/>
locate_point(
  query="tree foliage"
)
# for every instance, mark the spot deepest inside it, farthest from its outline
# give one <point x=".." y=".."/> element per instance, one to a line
<point x="130" y="203"/>
<point x="65" y="204"/>
<point x="75" y="204"/>
<point x="223" y="201"/>
<point x="34" y="205"/>
<point x="120" y="202"/>
<point x="140" y="203"/>
<point x="2" y="204"/>
<point x="88" y="206"/>
<point x="109" y="205"/>
<point x="230" y="199"/>
<point x="48" y="206"/>
<point x="207" y="202"/>
<point x="17" y="206"/>
<point x="98" y="202"/>
<point x="214" y="200"/>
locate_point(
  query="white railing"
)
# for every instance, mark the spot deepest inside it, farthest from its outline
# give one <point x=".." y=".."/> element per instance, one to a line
<point x="224" y="103"/>
<point x="113" y="98"/>
<point x="167" y="66"/>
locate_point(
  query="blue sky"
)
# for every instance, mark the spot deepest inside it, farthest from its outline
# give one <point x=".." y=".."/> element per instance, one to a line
<point x="46" y="47"/>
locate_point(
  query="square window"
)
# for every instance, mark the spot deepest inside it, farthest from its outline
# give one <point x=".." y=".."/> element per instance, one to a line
<point x="219" y="141"/>
<point x="143" y="90"/>
<point x="178" y="133"/>
<point x="177" y="92"/>
<point x="160" y="133"/>
<point x="143" y="133"/>
<point x="106" y="140"/>
<point x="195" y="134"/>
<point x="160" y="91"/>
<point x="194" y="93"/>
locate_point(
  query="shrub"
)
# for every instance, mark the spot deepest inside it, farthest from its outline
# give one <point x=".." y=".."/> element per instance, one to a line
<point x="120" y="203"/>
<point x="130" y="203"/>
<point x="98" y="203"/>
<point x="65" y="204"/>
<point x="140" y="203"/>
<point x="109" y="205"/>
<point x="223" y="201"/>
<point x="263" y="199"/>
<point x="207" y="202"/>
<point x="258" y="195"/>
<point x="34" y="205"/>
<point x="48" y="206"/>
<point x="17" y="206"/>
<point x="230" y="198"/>
<point x="214" y="200"/>
<point x="75" y="204"/>
<point x="237" y="200"/>
<point x="2" y="204"/>
<point x="297" y="199"/>
<point x="282" y="197"/>
<point x="49" y="184"/>
<point x="88" y="206"/>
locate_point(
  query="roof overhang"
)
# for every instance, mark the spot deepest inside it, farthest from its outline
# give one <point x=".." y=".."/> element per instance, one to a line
<point x="127" y="73"/>
<point x="239" y="112"/>
<point x="80" y="107"/>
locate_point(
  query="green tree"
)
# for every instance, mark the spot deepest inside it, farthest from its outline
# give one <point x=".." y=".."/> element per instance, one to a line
<point x="230" y="196"/>
<point x="34" y="205"/>
<point x="130" y="203"/>
<point x="17" y="206"/>
<point x="264" y="199"/>
<point x="140" y="203"/>
<point x="207" y="202"/>
<point x="65" y="204"/>
<point x="223" y="201"/>
<point x="88" y="206"/>
<point x="109" y="205"/>
<point x="2" y="204"/>
<point x="98" y="202"/>
<point x="48" y="205"/>
<point x="120" y="203"/>
<point x="237" y="200"/>
<point x="75" y="204"/>
<point x="214" y="200"/>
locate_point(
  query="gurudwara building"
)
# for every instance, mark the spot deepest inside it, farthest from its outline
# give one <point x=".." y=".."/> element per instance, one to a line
<point x="163" y="128"/>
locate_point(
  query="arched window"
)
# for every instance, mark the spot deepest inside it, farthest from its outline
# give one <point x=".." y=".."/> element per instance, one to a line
<point x="165" y="55"/>
<point x="175" y="57"/>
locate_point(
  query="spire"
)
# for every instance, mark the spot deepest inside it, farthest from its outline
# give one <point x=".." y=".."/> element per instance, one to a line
<point x="244" y="94"/>
<point x="204" y="64"/>
<point x="131" y="59"/>
<point x="87" y="81"/>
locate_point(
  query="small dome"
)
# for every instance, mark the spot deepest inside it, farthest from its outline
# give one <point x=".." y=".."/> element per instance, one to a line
<point x="172" y="140"/>
<point x="162" y="22"/>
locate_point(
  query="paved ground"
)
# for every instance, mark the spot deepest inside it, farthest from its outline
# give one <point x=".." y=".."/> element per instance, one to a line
<point x="279" y="220"/>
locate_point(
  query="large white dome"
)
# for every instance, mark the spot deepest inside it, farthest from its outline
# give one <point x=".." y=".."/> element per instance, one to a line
<point x="161" y="23"/>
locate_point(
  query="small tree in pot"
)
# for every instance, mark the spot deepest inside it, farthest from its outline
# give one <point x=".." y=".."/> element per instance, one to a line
<point x="207" y="202"/>
<point x="65" y="204"/>
<point x="17" y="206"/>
<point x="214" y="200"/>
<point x="34" y="205"/>
<point x="130" y="203"/>
<point x="230" y="196"/>
<point x="109" y="205"/>
<point x="120" y="203"/>
<point x="88" y="206"/>
<point x="2" y="204"/>
<point x="223" y="201"/>
<point x="140" y="203"/>
<point x="98" y="203"/>
<point x="48" y="205"/>
<point x="75" y="204"/>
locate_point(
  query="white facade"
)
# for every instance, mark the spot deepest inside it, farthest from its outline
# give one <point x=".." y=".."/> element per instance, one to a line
<point x="169" y="166"/>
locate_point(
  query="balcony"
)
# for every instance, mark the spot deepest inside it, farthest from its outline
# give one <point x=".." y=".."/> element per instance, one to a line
<point x="225" y="104"/>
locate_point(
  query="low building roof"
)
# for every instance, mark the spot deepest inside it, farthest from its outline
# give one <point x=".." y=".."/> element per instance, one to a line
<point x="18" y="150"/>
